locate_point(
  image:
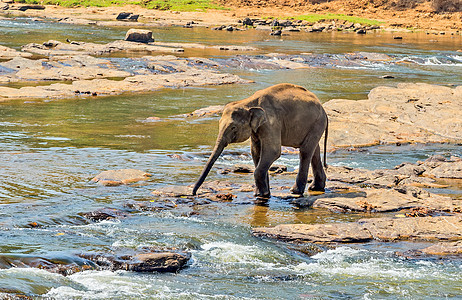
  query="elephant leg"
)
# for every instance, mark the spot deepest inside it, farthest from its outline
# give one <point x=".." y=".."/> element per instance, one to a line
<point x="261" y="173"/>
<point x="306" y="153"/>
<point x="255" y="150"/>
<point x="319" y="182"/>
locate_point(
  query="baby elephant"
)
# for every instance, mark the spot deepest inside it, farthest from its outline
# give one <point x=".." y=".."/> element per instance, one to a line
<point x="281" y="115"/>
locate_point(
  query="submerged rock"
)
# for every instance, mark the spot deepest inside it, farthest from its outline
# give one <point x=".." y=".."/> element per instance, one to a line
<point x="144" y="261"/>
<point x="118" y="177"/>
<point x="443" y="228"/>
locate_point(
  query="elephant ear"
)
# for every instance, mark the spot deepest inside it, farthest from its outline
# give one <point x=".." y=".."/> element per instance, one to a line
<point x="257" y="118"/>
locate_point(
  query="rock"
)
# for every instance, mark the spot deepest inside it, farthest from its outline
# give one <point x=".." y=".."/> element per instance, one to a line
<point x="138" y="83"/>
<point x="82" y="48"/>
<point x="446" y="170"/>
<point x="123" y="15"/>
<point x="317" y="233"/>
<point x="410" y="113"/>
<point x="26" y="7"/>
<point x="361" y="31"/>
<point x="146" y="261"/>
<point x="239" y="168"/>
<point x="276" y="32"/>
<point x="9" y="53"/>
<point x="388" y="77"/>
<point x="139" y="35"/>
<point x="60" y="68"/>
<point x="247" y="22"/>
<point x="126" y="16"/>
<point x="213" y="110"/>
<point x="447" y="228"/>
<point x="398" y="37"/>
<point x="154" y="262"/>
<point x="444" y="228"/>
<point x="118" y="177"/>
<point x="380" y="200"/>
<point x="104" y="214"/>
<point x="445" y="248"/>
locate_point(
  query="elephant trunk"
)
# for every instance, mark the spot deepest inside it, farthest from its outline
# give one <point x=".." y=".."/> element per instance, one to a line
<point x="219" y="146"/>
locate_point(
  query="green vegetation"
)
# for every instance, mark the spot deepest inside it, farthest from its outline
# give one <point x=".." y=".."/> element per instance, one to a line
<point x="317" y="18"/>
<point x="179" y="5"/>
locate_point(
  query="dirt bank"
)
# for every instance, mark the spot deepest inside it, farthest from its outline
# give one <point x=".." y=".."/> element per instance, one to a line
<point x="394" y="15"/>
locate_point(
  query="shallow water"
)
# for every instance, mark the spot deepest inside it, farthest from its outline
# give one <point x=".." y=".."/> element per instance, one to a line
<point x="51" y="149"/>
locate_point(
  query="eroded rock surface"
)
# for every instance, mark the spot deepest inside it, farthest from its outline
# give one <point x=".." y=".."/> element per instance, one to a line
<point x="442" y="228"/>
<point x="409" y="113"/>
<point x="8" y="53"/>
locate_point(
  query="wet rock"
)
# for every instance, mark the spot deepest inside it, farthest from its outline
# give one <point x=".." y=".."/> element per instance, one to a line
<point x="239" y="168"/>
<point x="317" y="233"/>
<point x="208" y="189"/>
<point x="105" y="214"/>
<point x="126" y="16"/>
<point x="213" y="110"/>
<point x="446" y="170"/>
<point x="118" y="177"/>
<point x="60" y="68"/>
<point x="442" y="249"/>
<point x="26" y="7"/>
<point x="447" y="228"/>
<point x="137" y="83"/>
<point x="443" y="228"/>
<point x="247" y="22"/>
<point x="139" y="35"/>
<point x="276" y="32"/>
<point x="152" y="262"/>
<point x="9" y="53"/>
<point x="80" y="48"/>
<point x="380" y="200"/>
<point x="202" y="46"/>
<point x="410" y="113"/>
<point x="141" y="261"/>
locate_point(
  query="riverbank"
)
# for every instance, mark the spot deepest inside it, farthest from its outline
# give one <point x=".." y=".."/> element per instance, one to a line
<point x="420" y="17"/>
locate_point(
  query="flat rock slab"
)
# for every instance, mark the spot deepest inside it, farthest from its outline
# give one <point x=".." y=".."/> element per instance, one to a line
<point x="8" y="53"/>
<point x="380" y="200"/>
<point x="447" y="228"/>
<point x="118" y="177"/>
<point x="441" y="249"/>
<point x="409" y="113"/>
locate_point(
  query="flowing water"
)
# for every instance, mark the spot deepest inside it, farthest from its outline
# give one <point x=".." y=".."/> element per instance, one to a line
<point x="51" y="149"/>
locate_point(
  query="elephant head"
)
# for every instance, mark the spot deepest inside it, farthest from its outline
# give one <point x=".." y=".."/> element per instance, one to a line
<point x="235" y="126"/>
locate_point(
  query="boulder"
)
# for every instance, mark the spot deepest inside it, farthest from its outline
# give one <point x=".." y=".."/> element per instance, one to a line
<point x="118" y="177"/>
<point x="139" y="35"/>
<point x="145" y="260"/>
<point x="443" y="228"/>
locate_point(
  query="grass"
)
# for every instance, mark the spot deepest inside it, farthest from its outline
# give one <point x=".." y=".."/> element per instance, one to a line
<point x="178" y="5"/>
<point x="317" y="18"/>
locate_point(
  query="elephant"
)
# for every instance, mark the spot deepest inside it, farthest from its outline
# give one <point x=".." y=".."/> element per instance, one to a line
<point x="281" y="115"/>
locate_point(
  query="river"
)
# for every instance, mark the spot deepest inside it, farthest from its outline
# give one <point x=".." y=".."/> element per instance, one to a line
<point x="50" y="150"/>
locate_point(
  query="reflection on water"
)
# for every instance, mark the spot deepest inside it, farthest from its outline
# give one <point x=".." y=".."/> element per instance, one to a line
<point x="51" y="149"/>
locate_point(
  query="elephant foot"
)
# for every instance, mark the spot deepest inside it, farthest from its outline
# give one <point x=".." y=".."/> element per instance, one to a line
<point x="295" y="190"/>
<point x="260" y="195"/>
<point x="317" y="187"/>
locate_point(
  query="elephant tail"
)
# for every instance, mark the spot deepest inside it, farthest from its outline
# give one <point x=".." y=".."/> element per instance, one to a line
<point x="325" y="142"/>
